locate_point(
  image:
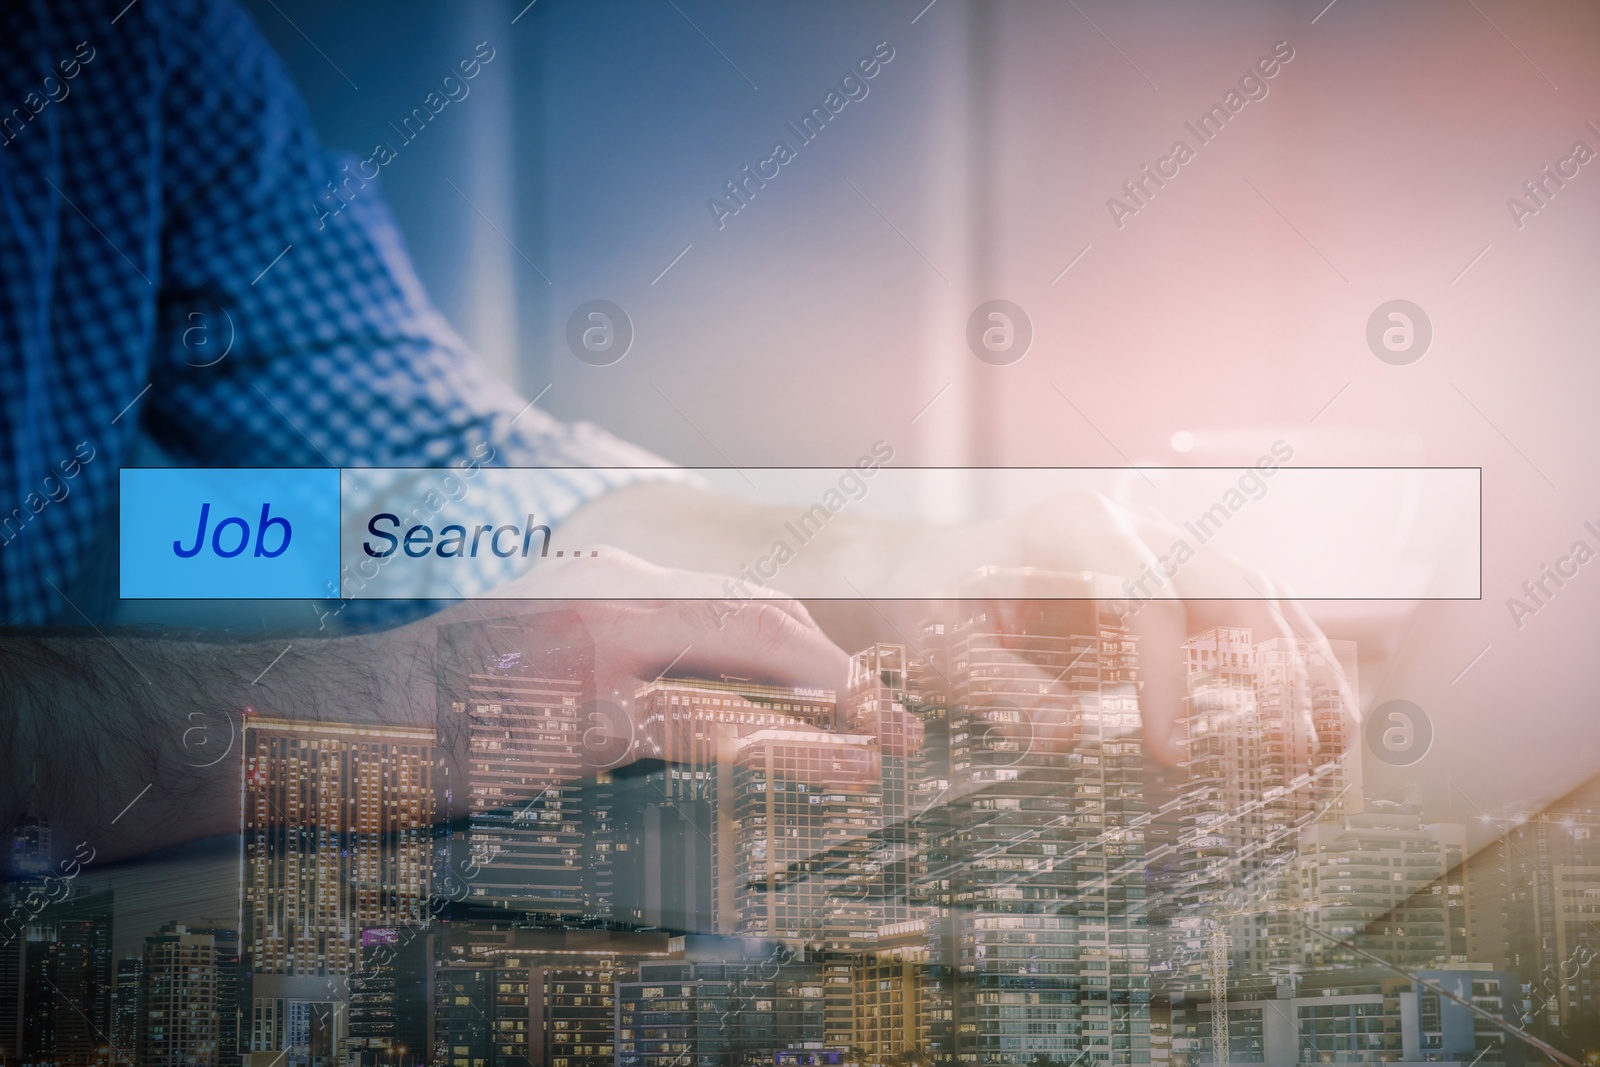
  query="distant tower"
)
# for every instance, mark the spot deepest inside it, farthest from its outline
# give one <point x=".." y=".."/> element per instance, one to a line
<point x="65" y="983"/>
<point x="127" y="1007"/>
<point x="30" y="847"/>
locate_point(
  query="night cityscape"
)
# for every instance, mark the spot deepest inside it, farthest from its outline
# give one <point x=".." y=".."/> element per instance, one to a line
<point x="965" y="858"/>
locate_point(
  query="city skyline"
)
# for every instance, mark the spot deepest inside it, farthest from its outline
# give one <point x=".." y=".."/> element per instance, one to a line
<point x="1018" y="886"/>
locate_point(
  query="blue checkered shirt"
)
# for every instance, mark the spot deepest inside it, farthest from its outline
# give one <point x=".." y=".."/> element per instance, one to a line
<point x="158" y="176"/>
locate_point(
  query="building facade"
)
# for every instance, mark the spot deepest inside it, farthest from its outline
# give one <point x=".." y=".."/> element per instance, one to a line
<point x="726" y="1013"/>
<point x="337" y="834"/>
<point x="1046" y="935"/>
<point x="182" y="1000"/>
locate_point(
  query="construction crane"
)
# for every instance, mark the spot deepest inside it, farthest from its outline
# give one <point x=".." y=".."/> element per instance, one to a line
<point x="1220" y="1052"/>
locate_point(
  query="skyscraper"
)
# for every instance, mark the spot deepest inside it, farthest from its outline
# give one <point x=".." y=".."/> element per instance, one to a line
<point x="1266" y="728"/>
<point x="66" y="982"/>
<point x="525" y="820"/>
<point x="1544" y="871"/>
<point x="391" y="997"/>
<point x="464" y="1015"/>
<point x="1222" y="725"/>
<point x="693" y="736"/>
<point x="892" y="687"/>
<point x="127" y="1008"/>
<point x="182" y="1025"/>
<point x="1368" y="880"/>
<point x="509" y="994"/>
<point x="719" y="1013"/>
<point x="230" y="985"/>
<point x="522" y="735"/>
<point x="1260" y="718"/>
<point x="573" y="1010"/>
<point x="30" y="847"/>
<point x="336" y="826"/>
<point x="806" y="810"/>
<point x="663" y="864"/>
<point x="901" y="1004"/>
<point x="1048" y="937"/>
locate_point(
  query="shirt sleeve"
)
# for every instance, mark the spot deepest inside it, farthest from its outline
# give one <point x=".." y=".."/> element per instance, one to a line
<point x="293" y="328"/>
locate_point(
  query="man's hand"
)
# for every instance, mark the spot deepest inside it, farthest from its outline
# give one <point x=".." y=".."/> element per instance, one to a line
<point x="1047" y="552"/>
<point x="132" y="743"/>
<point x="691" y="631"/>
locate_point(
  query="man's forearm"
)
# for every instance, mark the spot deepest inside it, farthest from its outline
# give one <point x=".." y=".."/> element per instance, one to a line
<point x="133" y="743"/>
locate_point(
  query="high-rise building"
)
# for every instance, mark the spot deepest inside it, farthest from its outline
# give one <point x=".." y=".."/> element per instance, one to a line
<point x="525" y="820"/>
<point x="724" y="1013"/>
<point x="695" y="737"/>
<point x="30" y="847"/>
<point x="806" y="814"/>
<point x="182" y="1024"/>
<point x="11" y="945"/>
<point x="787" y="811"/>
<point x="901" y="1005"/>
<point x="1544" y="872"/>
<point x="521" y="1010"/>
<point x="391" y="998"/>
<point x="573" y="1009"/>
<point x="336" y="826"/>
<point x="601" y="803"/>
<point x="1222" y="726"/>
<point x="1266" y="726"/>
<point x="23" y="900"/>
<point x="906" y="971"/>
<point x="464" y="1015"/>
<point x="930" y="836"/>
<point x="509" y="994"/>
<point x="1266" y="729"/>
<point x="1047" y="936"/>
<point x="1447" y="1028"/>
<point x="1370" y="880"/>
<point x="513" y="993"/>
<point x="885" y="699"/>
<point x="230" y="985"/>
<point x="1261" y="1029"/>
<point x="662" y="859"/>
<point x="127" y="1009"/>
<point x="1359" y="1015"/>
<point x="66" y="970"/>
<point x="526" y="745"/>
